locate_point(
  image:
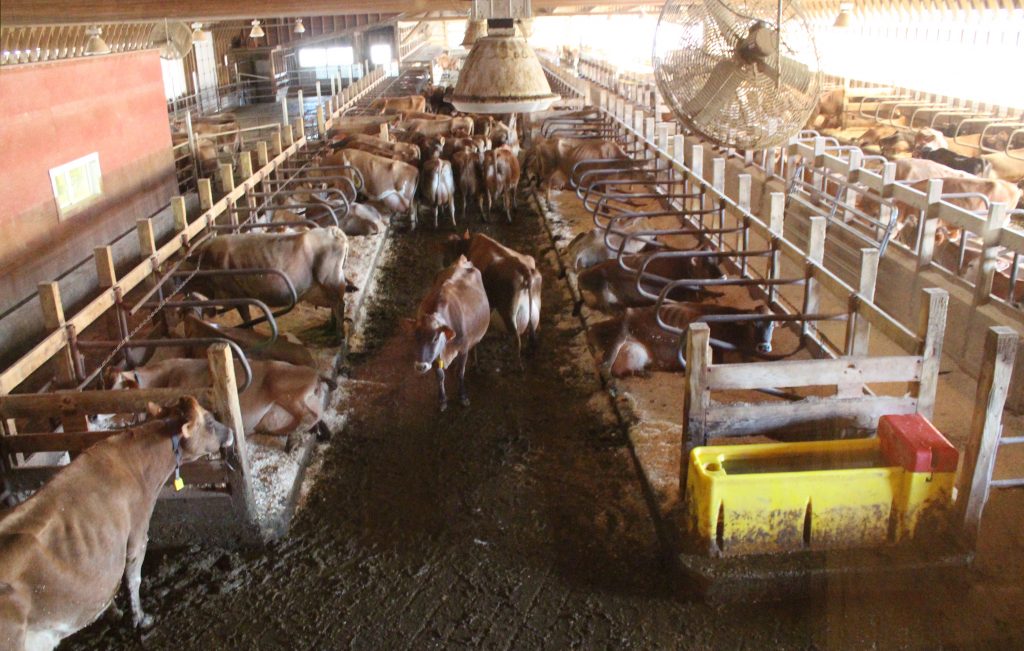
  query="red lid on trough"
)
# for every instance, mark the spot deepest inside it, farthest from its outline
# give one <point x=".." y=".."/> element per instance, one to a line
<point x="911" y="441"/>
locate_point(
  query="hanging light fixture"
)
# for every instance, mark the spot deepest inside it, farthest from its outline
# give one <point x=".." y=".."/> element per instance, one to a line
<point x="299" y="27"/>
<point x="474" y="30"/>
<point x="845" y="16"/>
<point x="502" y="73"/>
<point x="198" y="34"/>
<point x="256" y="31"/>
<point x="95" y="44"/>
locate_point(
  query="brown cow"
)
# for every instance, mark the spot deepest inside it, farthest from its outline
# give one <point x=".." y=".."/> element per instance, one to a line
<point x="253" y="343"/>
<point x="469" y="177"/>
<point x="511" y="280"/>
<point x="995" y="190"/>
<point x="501" y="178"/>
<point x="314" y="261"/>
<point x="63" y="551"/>
<point x="283" y="398"/>
<point x="607" y="286"/>
<point x="634" y="343"/>
<point x="589" y="248"/>
<point x="402" y="151"/>
<point x="398" y="104"/>
<point x="450" y="321"/>
<point x="389" y="183"/>
<point x="437" y="186"/>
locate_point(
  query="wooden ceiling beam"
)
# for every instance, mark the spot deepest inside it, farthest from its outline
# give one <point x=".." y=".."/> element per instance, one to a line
<point x="55" y="12"/>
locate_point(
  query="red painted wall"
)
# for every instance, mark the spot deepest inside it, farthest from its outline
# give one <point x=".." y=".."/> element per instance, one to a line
<point x="52" y="113"/>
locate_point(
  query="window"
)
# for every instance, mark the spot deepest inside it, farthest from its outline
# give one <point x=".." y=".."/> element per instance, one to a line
<point x="328" y="61"/>
<point x="174" y="77"/>
<point x="380" y="54"/>
<point x="75" y="183"/>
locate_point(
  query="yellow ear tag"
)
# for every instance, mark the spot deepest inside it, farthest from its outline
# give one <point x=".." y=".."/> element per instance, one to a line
<point x="440" y="363"/>
<point x="179" y="483"/>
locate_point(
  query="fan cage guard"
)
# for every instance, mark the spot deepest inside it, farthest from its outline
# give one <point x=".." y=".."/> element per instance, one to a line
<point x="688" y="46"/>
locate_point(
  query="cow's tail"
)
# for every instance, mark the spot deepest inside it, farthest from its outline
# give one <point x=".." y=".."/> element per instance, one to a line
<point x="328" y="382"/>
<point x="523" y="306"/>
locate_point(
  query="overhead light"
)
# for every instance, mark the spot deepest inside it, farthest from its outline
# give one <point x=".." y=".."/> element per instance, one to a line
<point x="198" y="34"/>
<point x="256" y="31"/>
<point x="95" y="44"/>
<point x="845" y="16"/>
<point x="502" y="74"/>
<point x="299" y="27"/>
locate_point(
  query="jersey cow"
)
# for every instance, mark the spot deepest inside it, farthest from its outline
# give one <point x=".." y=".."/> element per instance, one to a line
<point x="634" y="343"/>
<point x="501" y="178"/>
<point x="511" y="280"/>
<point x="389" y="184"/>
<point x="64" y="550"/>
<point x="313" y="260"/>
<point x="450" y="321"/>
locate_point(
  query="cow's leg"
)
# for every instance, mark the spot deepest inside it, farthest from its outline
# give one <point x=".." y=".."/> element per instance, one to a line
<point x="412" y="215"/>
<point x="451" y="210"/>
<point x="490" y="202"/>
<point x="133" y="575"/>
<point x="463" y="395"/>
<point x="437" y="209"/>
<point x="506" y="201"/>
<point x="439" y="372"/>
<point x="243" y="311"/>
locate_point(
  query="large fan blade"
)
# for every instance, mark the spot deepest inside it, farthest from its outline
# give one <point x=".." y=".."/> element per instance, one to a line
<point x="793" y="73"/>
<point x="720" y="88"/>
<point x="724" y="20"/>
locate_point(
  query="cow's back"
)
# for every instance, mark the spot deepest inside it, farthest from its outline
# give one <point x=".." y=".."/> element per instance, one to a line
<point x="284" y="252"/>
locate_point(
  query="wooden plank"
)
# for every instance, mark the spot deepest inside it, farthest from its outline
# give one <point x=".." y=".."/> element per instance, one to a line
<point x="931" y="331"/>
<point x="815" y="255"/>
<point x="201" y="472"/>
<point x="180" y="215"/>
<point x="205" y="194"/>
<point x="53" y="442"/>
<point x="743" y="419"/>
<point x="53" y="320"/>
<point x="997" y="221"/>
<point x="814" y="372"/>
<point x="986" y="428"/>
<point x="225" y="389"/>
<point x="894" y="330"/>
<point x="95" y="402"/>
<point x="698" y="395"/>
<point x="866" y="290"/>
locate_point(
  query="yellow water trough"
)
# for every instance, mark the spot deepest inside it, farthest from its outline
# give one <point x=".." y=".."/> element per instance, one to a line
<point x="784" y="497"/>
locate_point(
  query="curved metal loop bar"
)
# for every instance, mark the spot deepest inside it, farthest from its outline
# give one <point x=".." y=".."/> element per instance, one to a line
<point x="292" y="294"/>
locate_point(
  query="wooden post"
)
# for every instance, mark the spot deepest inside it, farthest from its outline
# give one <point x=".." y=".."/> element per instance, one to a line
<point x="931" y="330"/>
<point x="53" y="320"/>
<point x="262" y="154"/>
<point x="815" y="256"/>
<point x="180" y="215"/>
<point x="205" y="194"/>
<point x="225" y="389"/>
<point x="718" y="183"/>
<point x="986" y="428"/>
<point x="298" y="129"/>
<point x="106" y="274"/>
<point x="147" y="237"/>
<point x="275" y="144"/>
<point x="776" y="225"/>
<point x="744" y="182"/>
<point x="284" y="109"/>
<point x="697" y="167"/>
<point x="321" y="121"/>
<point x="866" y="290"/>
<point x="227" y="180"/>
<point x="698" y="395"/>
<point x="928" y="224"/>
<point x="997" y="218"/>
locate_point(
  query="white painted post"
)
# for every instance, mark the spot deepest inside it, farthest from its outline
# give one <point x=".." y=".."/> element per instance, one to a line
<point x="815" y="256"/>
<point x="931" y="330"/>
<point x="929" y="224"/>
<point x="284" y="109"/>
<point x="776" y="225"/>
<point x="698" y="395"/>
<point x="997" y="219"/>
<point x="744" y="182"/>
<point x="866" y="291"/>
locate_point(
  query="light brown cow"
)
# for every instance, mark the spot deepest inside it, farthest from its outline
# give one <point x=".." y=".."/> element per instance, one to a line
<point x="589" y="248"/>
<point x="511" y="280"/>
<point x="390" y="184"/>
<point x="501" y="179"/>
<point x="450" y="321"/>
<point x="253" y="343"/>
<point x="314" y="261"/>
<point x="468" y="164"/>
<point x="63" y="551"/>
<point x="437" y="187"/>
<point x="402" y="151"/>
<point x="283" y="398"/>
<point x="398" y="104"/>
<point x="995" y="190"/>
<point x="607" y="286"/>
<point x="634" y="343"/>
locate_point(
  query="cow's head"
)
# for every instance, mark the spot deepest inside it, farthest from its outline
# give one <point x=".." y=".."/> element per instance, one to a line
<point x="763" y="331"/>
<point x="429" y="339"/>
<point x="201" y="433"/>
<point x="454" y="246"/>
<point x="708" y="266"/>
<point x="116" y="378"/>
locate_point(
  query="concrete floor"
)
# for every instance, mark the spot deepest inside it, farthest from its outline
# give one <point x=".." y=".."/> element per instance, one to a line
<point x="518" y="522"/>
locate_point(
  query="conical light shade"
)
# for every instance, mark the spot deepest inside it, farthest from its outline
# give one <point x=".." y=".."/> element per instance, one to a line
<point x="843" y="19"/>
<point x="256" y="31"/>
<point x="198" y="34"/>
<point x="96" y="44"/>
<point x="299" y="27"/>
<point x="474" y="29"/>
<point x="502" y="75"/>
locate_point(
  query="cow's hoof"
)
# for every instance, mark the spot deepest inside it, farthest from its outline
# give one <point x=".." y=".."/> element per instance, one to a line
<point x="145" y="622"/>
<point x="291" y="442"/>
<point x="443" y="407"/>
<point x="464" y="401"/>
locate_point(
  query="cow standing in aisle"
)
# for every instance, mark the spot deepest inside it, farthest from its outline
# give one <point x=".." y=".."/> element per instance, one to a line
<point x="450" y="322"/>
<point x="501" y="179"/>
<point x="63" y="551"/>
<point x="511" y="280"/>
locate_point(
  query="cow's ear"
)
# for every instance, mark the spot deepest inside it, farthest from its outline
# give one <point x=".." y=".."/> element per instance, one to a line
<point x="440" y="141"/>
<point x="154" y="410"/>
<point x="189" y="408"/>
<point x="449" y="334"/>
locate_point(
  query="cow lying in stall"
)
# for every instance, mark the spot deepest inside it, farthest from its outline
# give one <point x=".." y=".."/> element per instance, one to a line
<point x="634" y="343"/>
<point x="589" y="249"/>
<point x="398" y="104"/>
<point x="283" y="399"/>
<point x="358" y="220"/>
<point x="608" y="287"/>
<point x="511" y="281"/>
<point x="389" y="184"/>
<point x="63" y="551"/>
<point x="450" y="321"/>
<point x="314" y="261"/>
<point x="400" y="151"/>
